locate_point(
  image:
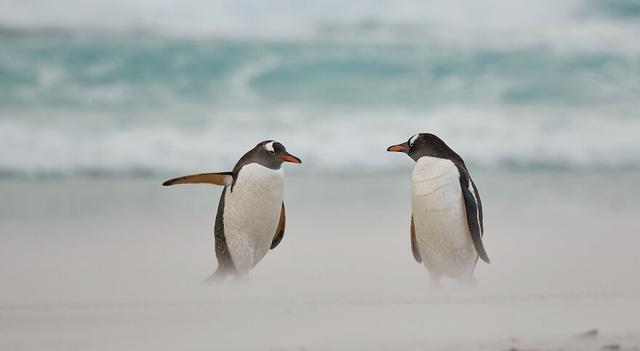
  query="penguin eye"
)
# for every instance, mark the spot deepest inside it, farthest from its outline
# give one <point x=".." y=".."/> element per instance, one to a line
<point x="271" y="152"/>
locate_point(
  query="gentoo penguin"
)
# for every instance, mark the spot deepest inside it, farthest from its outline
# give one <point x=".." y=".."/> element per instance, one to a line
<point x="251" y="215"/>
<point x="446" y="224"/>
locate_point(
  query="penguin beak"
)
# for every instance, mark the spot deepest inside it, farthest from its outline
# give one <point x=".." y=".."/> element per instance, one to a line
<point x="398" y="148"/>
<point x="287" y="157"/>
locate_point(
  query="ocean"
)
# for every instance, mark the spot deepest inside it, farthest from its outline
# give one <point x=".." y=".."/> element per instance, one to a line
<point x="97" y="92"/>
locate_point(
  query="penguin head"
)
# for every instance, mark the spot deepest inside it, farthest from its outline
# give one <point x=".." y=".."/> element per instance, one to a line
<point x="425" y="144"/>
<point x="272" y="154"/>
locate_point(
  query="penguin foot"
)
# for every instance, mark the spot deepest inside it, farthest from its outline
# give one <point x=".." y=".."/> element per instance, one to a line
<point x="435" y="281"/>
<point x="218" y="277"/>
<point x="240" y="279"/>
<point x="469" y="282"/>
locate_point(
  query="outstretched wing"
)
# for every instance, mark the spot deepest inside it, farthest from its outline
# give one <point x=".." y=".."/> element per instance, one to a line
<point x="221" y="178"/>
<point x="414" y="242"/>
<point x="277" y="238"/>
<point x="473" y="207"/>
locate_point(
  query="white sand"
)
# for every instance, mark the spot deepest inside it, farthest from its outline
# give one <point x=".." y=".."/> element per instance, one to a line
<point x="119" y="265"/>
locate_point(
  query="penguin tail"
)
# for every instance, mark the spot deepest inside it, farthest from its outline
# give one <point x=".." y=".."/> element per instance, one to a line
<point x="483" y="255"/>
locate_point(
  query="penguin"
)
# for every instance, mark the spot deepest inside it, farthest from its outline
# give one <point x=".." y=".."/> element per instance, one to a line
<point x="446" y="223"/>
<point x="251" y="216"/>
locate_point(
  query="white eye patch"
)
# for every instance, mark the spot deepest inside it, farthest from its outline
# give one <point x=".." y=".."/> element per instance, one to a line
<point x="269" y="147"/>
<point x="413" y="139"/>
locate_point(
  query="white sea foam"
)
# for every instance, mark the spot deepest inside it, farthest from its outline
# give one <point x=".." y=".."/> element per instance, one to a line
<point x="351" y="141"/>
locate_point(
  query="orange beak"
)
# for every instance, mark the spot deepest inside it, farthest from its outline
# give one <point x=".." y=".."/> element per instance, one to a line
<point x="398" y="148"/>
<point x="287" y="157"/>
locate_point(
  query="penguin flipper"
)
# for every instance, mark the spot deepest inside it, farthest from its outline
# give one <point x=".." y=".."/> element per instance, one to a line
<point x="221" y="178"/>
<point x="414" y="242"/>
<point x="473" y="208"/>
<point x="277" y="238"/>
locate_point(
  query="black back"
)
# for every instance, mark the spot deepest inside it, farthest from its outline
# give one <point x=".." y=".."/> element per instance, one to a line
<point x="225" y="263"/>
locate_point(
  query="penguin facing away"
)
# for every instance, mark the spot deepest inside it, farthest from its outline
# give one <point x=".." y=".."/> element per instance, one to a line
<point x="446" y="224"/>
<point x="251" y="214"/>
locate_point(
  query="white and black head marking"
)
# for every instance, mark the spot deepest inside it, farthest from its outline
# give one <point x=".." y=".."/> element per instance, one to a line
<point x="268" y="153"/>
<point x="426" y="144"/>
<point x="269" y="147"/>
<point x="412" y="140"/>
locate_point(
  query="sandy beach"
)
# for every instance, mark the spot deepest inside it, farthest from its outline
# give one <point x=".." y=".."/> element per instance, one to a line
<point x="119" y="264"/>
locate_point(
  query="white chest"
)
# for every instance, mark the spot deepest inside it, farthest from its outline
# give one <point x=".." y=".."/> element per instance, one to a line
<point x="252" y="213"/>
<point x="440" y="218"/>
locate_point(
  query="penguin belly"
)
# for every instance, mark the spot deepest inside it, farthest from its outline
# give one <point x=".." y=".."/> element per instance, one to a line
<point x="440" y="219"/>
<point x="252" y="213"/>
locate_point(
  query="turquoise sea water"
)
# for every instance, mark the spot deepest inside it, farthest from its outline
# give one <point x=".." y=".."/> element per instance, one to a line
<point x="556" y="87"/>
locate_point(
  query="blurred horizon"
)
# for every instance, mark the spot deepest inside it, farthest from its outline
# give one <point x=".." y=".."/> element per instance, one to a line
<point x="148" y="87"/>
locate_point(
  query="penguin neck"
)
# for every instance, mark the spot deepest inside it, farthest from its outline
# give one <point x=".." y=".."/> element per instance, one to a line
<point x="436" y="150"/>
<point x="432" y="172"/>
<point x="258" y="173"/>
